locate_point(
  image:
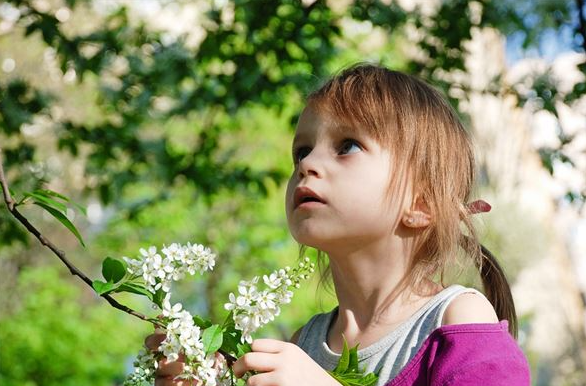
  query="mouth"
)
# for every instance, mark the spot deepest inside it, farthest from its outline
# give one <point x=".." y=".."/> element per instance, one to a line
<point x="306" y="197"/>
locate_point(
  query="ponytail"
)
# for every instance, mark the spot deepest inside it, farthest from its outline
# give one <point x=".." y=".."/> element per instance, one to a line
<point x="495" y="283"/>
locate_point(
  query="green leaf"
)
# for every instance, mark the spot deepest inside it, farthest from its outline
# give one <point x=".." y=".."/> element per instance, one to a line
<point x="101" y="287"/>
<point x="353" y="360"/>
<point x="158" y="298"/>
<point x="344" y="359"/>
<point x="347" y="371"/>
<point x="242" y="348"/>
<point x="230" y="343"/>
<point x="63" y="219"/>
<point x="47" y="201"/>
<point x="212" y="338"/>
<point x="201" y="322"/>
<point x="135" y="289"/>
<point x="113" y="269"/>
<point x="369" y="379"/>
<point x="55" y="194"/>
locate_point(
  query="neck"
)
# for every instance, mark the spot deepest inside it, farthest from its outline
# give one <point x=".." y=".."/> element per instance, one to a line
<point x="373" y="292"/>
<point x="369" y="282"/>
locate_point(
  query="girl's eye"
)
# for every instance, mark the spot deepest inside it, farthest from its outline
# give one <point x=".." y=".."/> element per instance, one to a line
<point x="349" y="146"/>
<point x="301" y="153"/>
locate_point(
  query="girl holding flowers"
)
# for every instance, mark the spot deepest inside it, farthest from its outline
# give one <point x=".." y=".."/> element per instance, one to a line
<point x="383" y="172"/>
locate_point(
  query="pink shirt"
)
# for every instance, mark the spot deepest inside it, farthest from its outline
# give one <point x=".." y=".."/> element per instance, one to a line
<point x="467" y="355"/>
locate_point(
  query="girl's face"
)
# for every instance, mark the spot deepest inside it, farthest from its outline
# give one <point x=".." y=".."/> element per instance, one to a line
<point x="338" y="192"/>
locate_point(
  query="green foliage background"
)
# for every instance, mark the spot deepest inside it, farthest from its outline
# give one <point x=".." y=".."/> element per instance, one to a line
<point x="175" y="142"/>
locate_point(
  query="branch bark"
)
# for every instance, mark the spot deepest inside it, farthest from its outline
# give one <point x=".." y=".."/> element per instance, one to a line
<point x="11" y="205"/>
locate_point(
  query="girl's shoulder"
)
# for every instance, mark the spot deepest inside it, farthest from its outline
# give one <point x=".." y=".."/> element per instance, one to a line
<point x="469" y="307"/>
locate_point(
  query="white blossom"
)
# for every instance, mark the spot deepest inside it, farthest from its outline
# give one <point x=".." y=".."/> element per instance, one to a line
<point x="251" y="308"/>
<point x="175" y="252"/>
<point x="160" y="272"/>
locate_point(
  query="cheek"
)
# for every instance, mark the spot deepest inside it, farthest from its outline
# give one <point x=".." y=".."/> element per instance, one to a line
<point x="289" y="196"/>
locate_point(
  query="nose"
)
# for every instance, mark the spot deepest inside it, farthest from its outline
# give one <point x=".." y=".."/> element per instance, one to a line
<point x="310" y="165"/>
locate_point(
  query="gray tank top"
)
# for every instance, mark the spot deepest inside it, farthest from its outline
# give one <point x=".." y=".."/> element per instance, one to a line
<point x="390" y="354"/>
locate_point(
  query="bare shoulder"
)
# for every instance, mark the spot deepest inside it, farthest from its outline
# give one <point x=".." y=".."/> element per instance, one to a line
<point x="295" y="338"/>
<point x="469" y="308"/>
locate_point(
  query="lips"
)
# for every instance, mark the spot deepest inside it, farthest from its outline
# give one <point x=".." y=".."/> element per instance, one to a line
<point x="306" y="197"/>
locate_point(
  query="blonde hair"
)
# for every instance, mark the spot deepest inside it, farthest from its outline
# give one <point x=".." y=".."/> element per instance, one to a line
<point x="430" y="144"/>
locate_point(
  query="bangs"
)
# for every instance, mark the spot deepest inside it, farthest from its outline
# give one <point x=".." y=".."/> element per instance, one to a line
<point x="358" y="103"/>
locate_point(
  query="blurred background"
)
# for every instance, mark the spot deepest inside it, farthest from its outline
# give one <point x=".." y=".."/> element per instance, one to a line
<point x="171" y="121"/>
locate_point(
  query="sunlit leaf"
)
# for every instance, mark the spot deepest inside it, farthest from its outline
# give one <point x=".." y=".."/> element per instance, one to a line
<point x="47" y="201"/>
<point x="102" y="287"/>
<point x="55" y="194"/>
<point x="62" y="219"/>
<point x="134" y="288"/>
<point x="212" y="338"/>
<point x="344" y="359"/>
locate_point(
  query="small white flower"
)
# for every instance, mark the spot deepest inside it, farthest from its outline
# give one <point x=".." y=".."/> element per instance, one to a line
<point x="248" y="294"/>
<point x="232" y="304"/>
<point x="175" y="252"/>
<point x="273" y="280"/>
<point x="168" y="310"/>
<point x="150" y="253"/>
<point x="133" y="266"/>
<point x="266" y="300"/>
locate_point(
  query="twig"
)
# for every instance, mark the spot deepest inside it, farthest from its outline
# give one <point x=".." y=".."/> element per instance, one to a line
<point x="72" y="268"/>
<point x="11" y="205"/>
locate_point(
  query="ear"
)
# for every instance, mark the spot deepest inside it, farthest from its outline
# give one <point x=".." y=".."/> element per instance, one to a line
<point x="418" y="216"/>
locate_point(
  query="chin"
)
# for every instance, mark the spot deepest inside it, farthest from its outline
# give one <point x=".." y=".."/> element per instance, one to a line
<point x="310" y="239"/>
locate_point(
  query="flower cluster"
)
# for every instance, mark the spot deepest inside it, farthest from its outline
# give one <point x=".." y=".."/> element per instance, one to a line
<point x="159" y="272"/>
<point x="252" y="309"/>
<point x="183" y="338"/>
<point x="182" y="334"/>
<point x="187" y="341"/>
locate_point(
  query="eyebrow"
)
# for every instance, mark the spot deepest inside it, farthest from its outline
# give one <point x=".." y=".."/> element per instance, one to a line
<point x="298" y="137"/>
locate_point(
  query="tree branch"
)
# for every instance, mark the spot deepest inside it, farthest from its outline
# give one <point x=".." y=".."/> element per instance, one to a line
<point x="11" y="205"/>
<point x="72" y="268"/>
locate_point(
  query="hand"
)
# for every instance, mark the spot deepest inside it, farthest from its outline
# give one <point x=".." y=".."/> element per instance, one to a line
<point x="281" y="364"/>
<point x="166" y="371"/>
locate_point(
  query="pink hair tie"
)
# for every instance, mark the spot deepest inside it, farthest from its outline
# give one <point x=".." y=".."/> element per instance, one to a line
<point x="479" y="206"/>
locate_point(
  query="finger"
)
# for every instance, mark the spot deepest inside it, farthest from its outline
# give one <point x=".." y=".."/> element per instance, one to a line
<point x="256" y="361"/>
<point x="169" y="369"/>
<point x="268" y="345"/>
<point x="261" y="379"/>
<point x="153" y="341"/>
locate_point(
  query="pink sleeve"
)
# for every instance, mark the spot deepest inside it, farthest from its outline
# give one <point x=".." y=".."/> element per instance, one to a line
<point x="479" y="354"/>
<point x="467" y="355"/>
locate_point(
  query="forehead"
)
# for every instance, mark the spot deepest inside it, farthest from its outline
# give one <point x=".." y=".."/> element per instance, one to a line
<point x="313" y="120"/>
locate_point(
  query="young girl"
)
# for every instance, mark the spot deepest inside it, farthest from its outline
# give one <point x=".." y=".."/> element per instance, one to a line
<point x="383" y="173"/>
